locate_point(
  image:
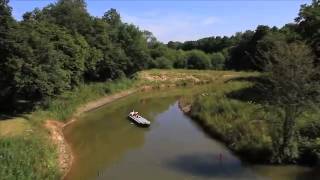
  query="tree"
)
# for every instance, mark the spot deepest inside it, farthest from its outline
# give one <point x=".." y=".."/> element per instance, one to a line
<point x="174" y="45"/>
<point x="135" y="46"/>
<point x="151" y="39"/>
<point x="239" y="59"/>
<point x="217" y="61"/>
<point x="198" y="60"/>
<point x="112" y="17"/>
<point x="292" y="88"/>
<point x="163" y="63"/>
<point x="71" y="14"/>
<point x="46" y="61"/>
<point x="309" y="25"/>
<point x="7" y="24"/>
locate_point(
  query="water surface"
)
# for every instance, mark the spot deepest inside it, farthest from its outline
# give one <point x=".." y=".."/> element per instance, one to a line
<point x="108" y="146"/>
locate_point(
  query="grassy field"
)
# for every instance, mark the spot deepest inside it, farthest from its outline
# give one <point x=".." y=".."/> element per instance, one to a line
<point x="25" y="148"/>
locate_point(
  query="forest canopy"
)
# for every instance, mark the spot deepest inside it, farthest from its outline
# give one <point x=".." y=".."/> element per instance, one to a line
<point x="61" y="46"/>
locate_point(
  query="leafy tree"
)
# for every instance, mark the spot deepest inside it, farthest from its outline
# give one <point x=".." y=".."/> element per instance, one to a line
<point x="135" y="46"/>
<point x="198" y="60"/>
<point x="217" y="61"/>
<point x="292" y="88"/>
<point x="71" y="14"/>
<point x="46" y="62"/>
<point x="174" y="45"/>
<point x="7" y="23"/>
<point x="309" y="25"/>
<point x="163" y="63"/>
<point x="151" y="39"/>
<point x="112" y="17"/>
<point x="239" y="58"/>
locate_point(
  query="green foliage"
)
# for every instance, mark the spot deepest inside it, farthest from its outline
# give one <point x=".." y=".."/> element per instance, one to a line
<point x="29" y="158"/>
<point x="71" y="14"/>
<point x="6" y="25"/>
<point x="309" y="24"/>
<point x="163" y="63"/>
<point x="198" y="60"/>
<point x="55" y="49"/>
<point x="208" y="45"/>
<point x="290" y="85"/>
<point x="65" y="105"/>
<point x="49" y="61"/>
<point x="239" y="124"/>
<point x="217" y="61"/>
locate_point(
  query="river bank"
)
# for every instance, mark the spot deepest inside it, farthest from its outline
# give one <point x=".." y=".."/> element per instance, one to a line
<point x="230" y="115"/>
<point x="173" y="147"/>
<point x="55" y="127"/>
<point x="148" y="80"/>
<point x="69" y="106"/>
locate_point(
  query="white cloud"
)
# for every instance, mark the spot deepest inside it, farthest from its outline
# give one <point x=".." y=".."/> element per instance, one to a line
<point x="174" y="26"/>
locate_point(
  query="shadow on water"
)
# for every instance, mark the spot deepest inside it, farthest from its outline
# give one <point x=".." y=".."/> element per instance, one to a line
<point x="312" y="174"/>
<point x="206" y="165"/>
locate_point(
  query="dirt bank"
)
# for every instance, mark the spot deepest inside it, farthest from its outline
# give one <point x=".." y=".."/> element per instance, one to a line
<point x="185" y="107"/>
<point x="65" y="156"/>
<point x="56" y="127"/>
<point x="98" y="103"/>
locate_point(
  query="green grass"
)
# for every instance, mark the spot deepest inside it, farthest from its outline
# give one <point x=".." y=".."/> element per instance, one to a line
<point x="239" y="124"/>
<point x="249" y="128"/>
<point x="25" y="148"/>
<point x="27" y="157"/>
<point x="66" y="104"/>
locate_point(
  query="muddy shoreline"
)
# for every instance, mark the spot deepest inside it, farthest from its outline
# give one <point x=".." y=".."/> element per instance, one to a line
<point x="55" y="127"/>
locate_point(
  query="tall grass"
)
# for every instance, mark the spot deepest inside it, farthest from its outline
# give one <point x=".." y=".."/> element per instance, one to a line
<point x="66" y="104"/>
<point x="31" y="157"/>
<point x="27" y="158"/>
<point x="239" y="124"/>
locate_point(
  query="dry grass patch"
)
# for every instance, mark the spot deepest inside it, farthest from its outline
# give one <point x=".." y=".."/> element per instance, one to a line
<point x="14" y="127"/>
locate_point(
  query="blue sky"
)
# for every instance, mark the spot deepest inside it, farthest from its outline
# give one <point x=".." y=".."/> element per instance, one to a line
<point x="181" y="20"/>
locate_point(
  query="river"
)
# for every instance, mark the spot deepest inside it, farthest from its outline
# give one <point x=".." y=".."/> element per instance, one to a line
<point x="107" y="145"/>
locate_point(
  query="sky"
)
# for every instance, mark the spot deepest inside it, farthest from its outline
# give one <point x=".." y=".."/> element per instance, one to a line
<point x="182" y="20"/>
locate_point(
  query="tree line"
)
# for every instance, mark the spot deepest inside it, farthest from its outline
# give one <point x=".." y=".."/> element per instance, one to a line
<point x="57" y="48"/>
<point x="242" y="51"/>
<point x="289" y="58"/>
<point x="61" y="46"/>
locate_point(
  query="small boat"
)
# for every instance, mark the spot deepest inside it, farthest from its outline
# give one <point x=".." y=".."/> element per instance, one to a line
<point x="139" y="120"/>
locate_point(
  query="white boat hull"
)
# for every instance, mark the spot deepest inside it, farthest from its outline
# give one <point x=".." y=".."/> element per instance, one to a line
<point x="139" y="120"/>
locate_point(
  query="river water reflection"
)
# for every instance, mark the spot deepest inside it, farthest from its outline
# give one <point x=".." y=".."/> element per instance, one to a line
<point x="108" y="146"/>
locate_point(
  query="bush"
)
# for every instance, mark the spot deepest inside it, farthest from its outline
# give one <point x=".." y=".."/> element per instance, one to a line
<point x="217" y="61"/>
<point x="163" y="63"/>
<point x="198" y="60"/>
